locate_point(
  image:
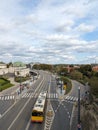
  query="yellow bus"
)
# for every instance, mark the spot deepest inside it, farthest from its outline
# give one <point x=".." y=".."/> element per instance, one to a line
<point x="38" y="111"/>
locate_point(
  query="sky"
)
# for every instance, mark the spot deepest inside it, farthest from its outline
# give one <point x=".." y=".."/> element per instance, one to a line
<point x="49" y="31"/>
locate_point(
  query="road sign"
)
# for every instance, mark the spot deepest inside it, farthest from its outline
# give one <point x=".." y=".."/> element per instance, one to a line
<point x="64" y="87"/>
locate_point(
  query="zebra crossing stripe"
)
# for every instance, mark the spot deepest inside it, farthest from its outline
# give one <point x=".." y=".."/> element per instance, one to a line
<point x="8" y="97"/>
<point x="29" y="94"/>
<point x="49" y="95"/>
<point x="66" y="97"/>
<point x="71" y="98"/>
<point x="25" y="95"/>
<point x="11" y="97"/>
<point x="56" y="95"/>
<point x="2" y="98"/>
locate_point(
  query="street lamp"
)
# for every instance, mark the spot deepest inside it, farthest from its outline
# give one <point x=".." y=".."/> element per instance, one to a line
<point x="79" y="122"/>
<point x="20" y="79"/>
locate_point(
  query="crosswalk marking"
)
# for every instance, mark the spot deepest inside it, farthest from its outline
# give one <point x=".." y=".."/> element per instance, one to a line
<point x="7" y="97"/>
<point x="71" y="98"/>
<point x="35" y="95"/>
<point x="49" y="95"/>
<point x="52" y="95"/>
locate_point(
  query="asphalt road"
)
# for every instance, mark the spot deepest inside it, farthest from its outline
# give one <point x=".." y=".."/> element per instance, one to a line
<point x="62" y="116"/>
<point x="63" y="108"/>
<point x="19" y="115"/>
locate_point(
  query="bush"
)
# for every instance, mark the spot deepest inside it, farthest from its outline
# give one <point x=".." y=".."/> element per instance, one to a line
<point x="93" y="82"/>
<point x="76" y="75"/>
<point x="21" y="79"/>
<point x="67" y="82"/>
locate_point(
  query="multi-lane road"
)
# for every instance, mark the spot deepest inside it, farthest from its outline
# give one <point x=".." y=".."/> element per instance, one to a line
<point x="15" y="112"/>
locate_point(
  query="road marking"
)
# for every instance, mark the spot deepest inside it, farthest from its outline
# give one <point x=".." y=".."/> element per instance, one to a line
<point x="0" y="115"/>
<point x="22" y="109"/>
<point x="72" y="114"/>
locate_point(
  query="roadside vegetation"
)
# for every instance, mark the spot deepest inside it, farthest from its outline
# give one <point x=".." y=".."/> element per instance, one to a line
<point x="21" y="79"/>
<point x="4" y="84"/>
<point x="68" y="84"/>
<point x="89" y="106"/>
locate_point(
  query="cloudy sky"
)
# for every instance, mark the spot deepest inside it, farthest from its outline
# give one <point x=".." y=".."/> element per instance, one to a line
<point x="49" y="31"/>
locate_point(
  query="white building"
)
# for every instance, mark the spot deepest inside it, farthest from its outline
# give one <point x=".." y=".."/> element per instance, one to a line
<point x="22" y="72"/>
<point x="2" y="66"/>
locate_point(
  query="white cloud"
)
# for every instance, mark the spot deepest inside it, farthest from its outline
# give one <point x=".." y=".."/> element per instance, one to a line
<point x="85" y="28"/>
<point x="48" y="28"/>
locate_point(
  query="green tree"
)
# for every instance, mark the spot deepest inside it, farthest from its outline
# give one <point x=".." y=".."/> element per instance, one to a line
<point x="86" y="70"/>
<point x="76" y="75"/>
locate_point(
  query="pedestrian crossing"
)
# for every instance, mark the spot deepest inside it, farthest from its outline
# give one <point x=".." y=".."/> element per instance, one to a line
<point x="35" y="95"/>
<point x="51" y="96"/>
<point x="70" y="98"/>
<point x="7" y="97"/>
<point x="28" y="95"/>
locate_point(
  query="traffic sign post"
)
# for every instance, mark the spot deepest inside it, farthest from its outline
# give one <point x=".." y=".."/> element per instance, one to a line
<point x="79" y="125"/>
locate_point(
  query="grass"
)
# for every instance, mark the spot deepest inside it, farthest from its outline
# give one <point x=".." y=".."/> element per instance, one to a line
<point x="4" y="84"/>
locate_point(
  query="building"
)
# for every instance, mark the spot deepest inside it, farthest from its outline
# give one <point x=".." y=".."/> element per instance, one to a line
<point x="3" y="66"/>
<point x="95" y="68"/>
<point x="23" y="72"/>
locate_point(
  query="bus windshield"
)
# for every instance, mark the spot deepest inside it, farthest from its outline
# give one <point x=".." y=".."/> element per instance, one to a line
<point x="37" y="113"/>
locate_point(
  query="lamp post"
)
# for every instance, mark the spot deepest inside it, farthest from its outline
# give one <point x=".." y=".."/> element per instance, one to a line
<point x="79" y="122"/>
<point x="20" y="79"/>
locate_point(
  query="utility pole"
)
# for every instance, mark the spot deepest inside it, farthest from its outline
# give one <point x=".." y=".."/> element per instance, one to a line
<point x="20" y="78"/>
<point x="79" y="122"/>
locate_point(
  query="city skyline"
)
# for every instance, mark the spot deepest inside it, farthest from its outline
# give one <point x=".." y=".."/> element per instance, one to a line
<point x="49" y="31"/>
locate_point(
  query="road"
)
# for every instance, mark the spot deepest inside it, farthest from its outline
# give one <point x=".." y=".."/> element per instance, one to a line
<point x="63" y="108"/>
<point x="19" y="115"/>
<point x="16" y="114"/>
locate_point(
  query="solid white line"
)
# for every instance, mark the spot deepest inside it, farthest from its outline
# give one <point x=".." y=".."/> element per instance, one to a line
<point x="18" y="115"/>
<point x="27" y="127"/>
<point x="72" y="114"/>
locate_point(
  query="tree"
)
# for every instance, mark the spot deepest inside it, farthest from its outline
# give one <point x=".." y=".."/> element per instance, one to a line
<point x="76" y="75"/>
<point x="9" y="64"/>
<point x="63" y="71"/>
<point x="86" y="70"/>
<point x="96" y="74"/>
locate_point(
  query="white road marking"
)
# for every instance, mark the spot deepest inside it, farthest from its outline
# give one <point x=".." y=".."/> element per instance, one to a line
<point x="22" y="109"/>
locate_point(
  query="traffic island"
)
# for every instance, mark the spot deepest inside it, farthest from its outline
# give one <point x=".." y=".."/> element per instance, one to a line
<point x="49" y="116"/>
